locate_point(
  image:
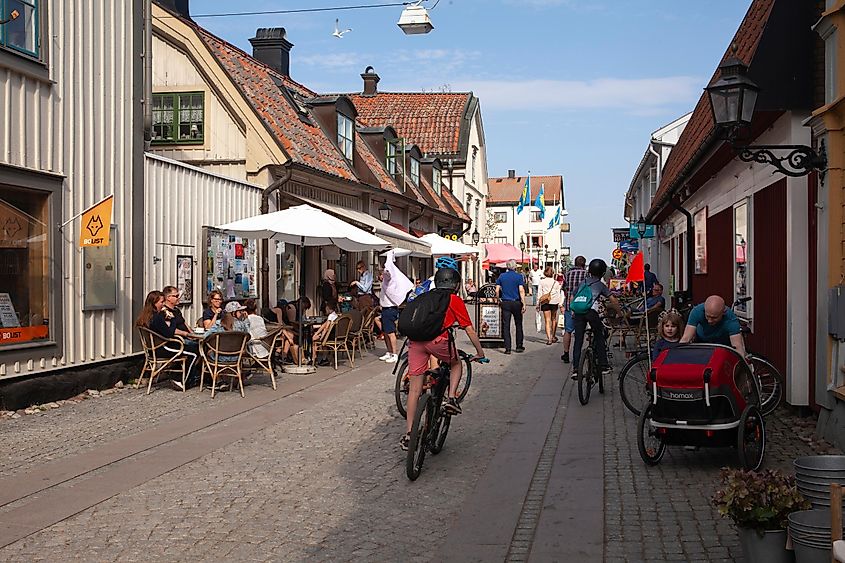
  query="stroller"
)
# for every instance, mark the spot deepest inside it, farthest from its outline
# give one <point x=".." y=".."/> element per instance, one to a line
<point x="702" y="395"/>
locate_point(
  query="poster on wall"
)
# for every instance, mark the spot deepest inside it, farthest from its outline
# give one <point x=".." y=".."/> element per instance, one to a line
<point x="700" y="220"/>
<point x="491" y="322"/>
<point x="230" y="266"/>
<point x="185" y="278"/>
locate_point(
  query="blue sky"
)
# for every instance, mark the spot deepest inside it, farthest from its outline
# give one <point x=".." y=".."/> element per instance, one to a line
<point x="570" y="87"/>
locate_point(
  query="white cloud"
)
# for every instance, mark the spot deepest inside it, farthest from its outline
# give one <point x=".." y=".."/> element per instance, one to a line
<point x="636" y="95"/>
<point x="331" y="60"/>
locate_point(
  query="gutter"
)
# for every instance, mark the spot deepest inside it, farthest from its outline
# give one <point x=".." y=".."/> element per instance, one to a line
<point x="148" y="74"/>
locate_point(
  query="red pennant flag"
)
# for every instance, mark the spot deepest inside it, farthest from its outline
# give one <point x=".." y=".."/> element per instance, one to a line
<point x="636" y="272"/>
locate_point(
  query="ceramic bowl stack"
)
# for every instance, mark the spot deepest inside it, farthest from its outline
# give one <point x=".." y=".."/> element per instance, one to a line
<point x="810" y="533"/>
<point x="814" y="475"/>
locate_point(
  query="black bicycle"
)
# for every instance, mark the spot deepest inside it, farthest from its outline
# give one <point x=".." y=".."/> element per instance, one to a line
<point x="589" y="368"/>
<point x="633" y="388"/>
<point x="431" y="423"/>
<point x="403" y="381"/>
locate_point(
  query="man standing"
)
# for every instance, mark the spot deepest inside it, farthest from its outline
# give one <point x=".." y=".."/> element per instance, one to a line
<point x="574" y="278"/>
<point x="536" y="276"/>
<point x="365" y="286"/>
<point x="649" y="278"/>
<point x="510" y="291"/>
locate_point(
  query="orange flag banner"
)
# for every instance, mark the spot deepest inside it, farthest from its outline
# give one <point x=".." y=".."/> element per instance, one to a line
<point x="636" y="272"/>
<point x="96" y="224"/>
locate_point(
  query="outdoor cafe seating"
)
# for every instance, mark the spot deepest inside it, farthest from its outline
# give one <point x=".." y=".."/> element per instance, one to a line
<point x="222" y="356"/>
<point x="158" y="361"/>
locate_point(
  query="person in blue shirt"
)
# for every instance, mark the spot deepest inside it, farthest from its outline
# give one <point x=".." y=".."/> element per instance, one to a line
<point x="714" y="323"/>
<point x="649" y="278"/>
<point x="364" y="286"/>
<point x="510" y="289"/>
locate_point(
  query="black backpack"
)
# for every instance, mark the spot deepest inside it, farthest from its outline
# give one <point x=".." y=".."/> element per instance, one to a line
<point x="422" y="319"/>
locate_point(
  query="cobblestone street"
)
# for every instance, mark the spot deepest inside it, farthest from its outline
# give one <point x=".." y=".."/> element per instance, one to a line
<point x="312" y="472"/>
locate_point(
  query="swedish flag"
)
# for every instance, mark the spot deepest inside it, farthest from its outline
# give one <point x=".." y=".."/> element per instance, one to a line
<point x="556" y="219"/>
<point x="525" y="198"/>
<point x="540" y="202"/>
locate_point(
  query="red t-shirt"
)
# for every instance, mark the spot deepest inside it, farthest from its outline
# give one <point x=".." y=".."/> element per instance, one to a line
<point x="456" y="313"/>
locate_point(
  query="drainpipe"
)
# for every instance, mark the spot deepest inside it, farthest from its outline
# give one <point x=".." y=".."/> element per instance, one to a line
<point x="659" y="158"/>
<point x="690" y="258"/>
<point x="265" y="244"/>
<point x="148" y="74"/>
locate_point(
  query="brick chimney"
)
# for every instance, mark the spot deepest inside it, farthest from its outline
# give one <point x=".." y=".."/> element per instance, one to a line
<point x="370" y="81"/>
<point x="511" y="174"/>
<point x="181" y="7"/>
<point x="271" y="48"/>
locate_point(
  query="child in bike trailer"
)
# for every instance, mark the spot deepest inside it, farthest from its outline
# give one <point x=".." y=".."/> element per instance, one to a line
<point x="443" y="348"/>
<point x="593" y="316"/>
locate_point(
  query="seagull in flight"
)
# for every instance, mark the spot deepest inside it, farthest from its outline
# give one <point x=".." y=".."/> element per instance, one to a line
<point x="337" y="32"/>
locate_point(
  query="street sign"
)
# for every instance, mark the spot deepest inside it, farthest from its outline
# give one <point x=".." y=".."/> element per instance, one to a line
<point x="649" y="231"/>
<point x="620" y="234"/>
<point x="617" y="253"/>
<point x="629" y="246"/>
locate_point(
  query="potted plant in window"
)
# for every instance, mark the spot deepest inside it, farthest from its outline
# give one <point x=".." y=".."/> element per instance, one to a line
<point x="759" y="503"/>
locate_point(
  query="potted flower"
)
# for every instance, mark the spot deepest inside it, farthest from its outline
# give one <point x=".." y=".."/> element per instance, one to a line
<point x="759" y="503"/>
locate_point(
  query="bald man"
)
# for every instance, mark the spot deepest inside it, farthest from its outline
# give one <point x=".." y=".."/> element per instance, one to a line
<point x="714" y="323"/>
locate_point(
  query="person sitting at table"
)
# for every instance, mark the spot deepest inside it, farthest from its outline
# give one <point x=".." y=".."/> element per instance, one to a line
<point x="212" y="313"/>
<point x="320" y="333"/>
<point x="328" y="292"/>
<point x="169" y="323"/>
<point x="654" y="302"/>
<point x="258" y="330"/>
<point x="241" y="320"/>
<point x="227" y="323"/>
<point x="470" y="288"/>
<point x="292" y="309"/>
<point x="152" y="305"/>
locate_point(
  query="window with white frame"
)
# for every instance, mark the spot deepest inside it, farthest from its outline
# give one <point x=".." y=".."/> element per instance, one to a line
<point x="535" y="217"/>
<point x="345" y="135"/>
<point x="415" y="171"/>
<point x="21" y="34"/>
<point x="742" y="256"/>
<point x="500" y="217"/>
<point x="390" y="158"/>
<point x="474" y="162"/>
<point x="652" y="183"/>
<point x="436" y="179"/>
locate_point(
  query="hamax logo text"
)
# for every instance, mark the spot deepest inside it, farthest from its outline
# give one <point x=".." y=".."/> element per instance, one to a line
<point x="677" y="395"/>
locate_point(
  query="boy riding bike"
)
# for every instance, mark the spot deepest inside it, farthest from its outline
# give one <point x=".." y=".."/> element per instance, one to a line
<point x="441" y="346"/>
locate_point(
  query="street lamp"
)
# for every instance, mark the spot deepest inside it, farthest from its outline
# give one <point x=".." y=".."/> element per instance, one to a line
<point x="476" y="236"/>
<point x="384" y="212"/>
<point x="522" y="249"/>
<point x="732" y="100"/>
<point x="414" y="20"/>
<point x="641" y="226"/>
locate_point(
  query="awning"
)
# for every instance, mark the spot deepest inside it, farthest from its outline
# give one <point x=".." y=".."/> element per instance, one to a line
<point x="443" y="246"/>
<point x="397" y="238"/>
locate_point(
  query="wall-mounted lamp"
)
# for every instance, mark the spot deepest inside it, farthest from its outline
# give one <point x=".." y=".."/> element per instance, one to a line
<point x="13" y="15"/>
<point x="384" y="212"/>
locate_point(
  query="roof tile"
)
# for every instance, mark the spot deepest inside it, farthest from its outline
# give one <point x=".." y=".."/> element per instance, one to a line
<point x="509" y="190"/>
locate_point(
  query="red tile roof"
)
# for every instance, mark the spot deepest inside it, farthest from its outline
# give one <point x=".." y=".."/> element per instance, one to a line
<point x="455" y="205"/>
<point x="509" y="190"/>
<point x="432" y="121"/>
<point x="701" y="126"/>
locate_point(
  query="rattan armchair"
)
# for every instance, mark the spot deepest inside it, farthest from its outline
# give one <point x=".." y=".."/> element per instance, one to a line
<point x="272" y="341"/>
<point x="336" y="339"/>
<point x="157" y="360"/>
<point x="222" y="355"/>
<point x="368" y="328"/>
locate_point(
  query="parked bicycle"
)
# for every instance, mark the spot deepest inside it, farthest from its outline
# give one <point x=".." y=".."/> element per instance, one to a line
<point x="402" y="381"/>
<point x="589" y="368"/>
<point x="431" y="422"/>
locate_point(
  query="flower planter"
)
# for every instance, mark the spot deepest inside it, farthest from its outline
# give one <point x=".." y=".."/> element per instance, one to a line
<point x="769" y="548"/>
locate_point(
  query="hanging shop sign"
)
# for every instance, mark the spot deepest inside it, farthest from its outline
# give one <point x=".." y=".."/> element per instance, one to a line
<point x="94" y="228"/>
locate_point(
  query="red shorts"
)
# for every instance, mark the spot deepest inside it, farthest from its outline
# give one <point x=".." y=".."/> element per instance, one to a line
<point x="419" y="352"/>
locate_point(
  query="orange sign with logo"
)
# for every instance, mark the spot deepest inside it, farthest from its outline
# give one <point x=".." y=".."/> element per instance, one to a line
<point x="23" y="334"/>
<point x="617" y="253"/>
<point x="96" y="224"/>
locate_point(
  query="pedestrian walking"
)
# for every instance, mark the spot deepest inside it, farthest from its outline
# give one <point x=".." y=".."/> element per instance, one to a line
<point x="511" y="293"/>
<point x="548" y="302"/>
<point x="536" y="275"/>
<point x="394" y="288"/>
<point x="572" y="281"/>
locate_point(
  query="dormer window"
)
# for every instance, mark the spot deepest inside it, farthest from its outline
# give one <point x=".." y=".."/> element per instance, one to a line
<point x="345" y="135"/>
<point x="415" y="171"/>
<point x="437" y="180"/>
<point x="390" y="157"/>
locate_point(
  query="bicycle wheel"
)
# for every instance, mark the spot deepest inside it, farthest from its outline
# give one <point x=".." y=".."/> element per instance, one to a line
<point x="585" y="376"/>
<point x="651" y="447"/>
<point x="633" y="383"/>
<point x="770" y="382"/>
<point x="400" y="389"/>
<point x="439" y="432"/>
<point x="415" y="455"/>
<point x="600" y="376"/>
<point x="466" y="379"/>
<point x="751" y="438"/>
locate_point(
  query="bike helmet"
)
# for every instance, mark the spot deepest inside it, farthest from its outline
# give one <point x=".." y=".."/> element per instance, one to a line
<point x="597" y="268"/>
<point x="447" y="278"/>
<point x="446" y="262"/>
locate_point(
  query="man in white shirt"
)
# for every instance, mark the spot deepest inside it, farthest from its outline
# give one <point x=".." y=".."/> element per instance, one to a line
<point x="394" y="288"/>
<point x="536" y="276"/>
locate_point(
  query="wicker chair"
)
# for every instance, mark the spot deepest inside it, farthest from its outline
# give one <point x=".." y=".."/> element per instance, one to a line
<point x="157" y="360"/>
<point x="653" y="315"/>
<point x="368" y="329"/>
<point x="336" y="339"/>
<point x="222" y="355"/>
<point x="356" y="336"/>
<point x="620" y="327"/>
<point x="271" y="342"/>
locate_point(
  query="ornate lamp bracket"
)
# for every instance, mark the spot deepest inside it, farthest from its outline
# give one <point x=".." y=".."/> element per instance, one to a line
<point x="799" y="160"/>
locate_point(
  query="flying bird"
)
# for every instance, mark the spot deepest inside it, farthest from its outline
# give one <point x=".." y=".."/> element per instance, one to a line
<point x="337" y="32"/>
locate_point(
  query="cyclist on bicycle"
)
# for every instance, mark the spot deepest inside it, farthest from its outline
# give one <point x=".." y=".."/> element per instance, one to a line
<point x="714" y="323"/>
<point x="443" y="348"/>
<point x="593" y="280"/>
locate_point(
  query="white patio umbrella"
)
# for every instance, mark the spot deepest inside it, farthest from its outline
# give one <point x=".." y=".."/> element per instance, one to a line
<point x="444" y="246"/>
<point x="305" y="226"/>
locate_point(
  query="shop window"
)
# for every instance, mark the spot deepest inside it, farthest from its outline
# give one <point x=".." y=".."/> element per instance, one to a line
<point x="24" y="266"/>
<point x="500" y="217"/>
<point x="742" y="258"/>
<point x="345" y="135"/>
<point x="22" y="33"/>
<point x="178" y="118"/>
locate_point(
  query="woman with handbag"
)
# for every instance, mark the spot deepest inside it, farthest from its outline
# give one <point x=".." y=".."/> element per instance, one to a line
<point x="548" y="302"/>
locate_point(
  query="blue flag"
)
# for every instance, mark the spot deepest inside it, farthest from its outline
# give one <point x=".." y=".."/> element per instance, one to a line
<point x="556" y="219"/>
<point x="540" y="202"/>
<point x="525" y="198"/>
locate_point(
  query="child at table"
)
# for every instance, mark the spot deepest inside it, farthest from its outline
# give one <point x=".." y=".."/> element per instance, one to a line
<point x="669" y="325"/>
